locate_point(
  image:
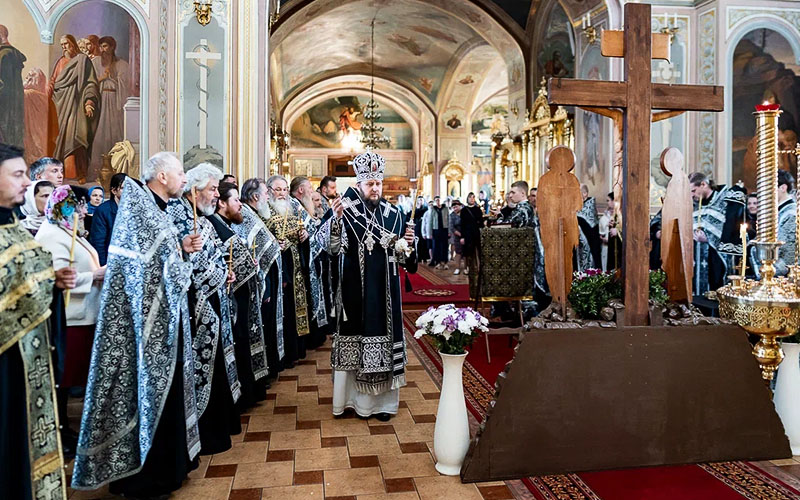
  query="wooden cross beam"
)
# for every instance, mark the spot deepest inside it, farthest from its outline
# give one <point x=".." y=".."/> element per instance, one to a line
<point x="636" y="97"/>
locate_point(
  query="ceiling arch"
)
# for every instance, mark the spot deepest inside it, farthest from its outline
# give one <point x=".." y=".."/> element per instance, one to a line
<point x="416" y="42"/>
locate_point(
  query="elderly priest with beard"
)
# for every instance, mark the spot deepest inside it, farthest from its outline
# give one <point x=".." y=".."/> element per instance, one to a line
<point x="251" y="356"/>
<point x="267" y="252"/>
<point x="369" y="239"/>
<point x="139" y="426"/>
<point x="215" y="372"/>
<point x="290" y="223"/>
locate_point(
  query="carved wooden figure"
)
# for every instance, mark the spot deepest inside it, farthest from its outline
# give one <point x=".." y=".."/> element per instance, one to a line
<point x="676" y="227"/>
<point x="559" y="199"/>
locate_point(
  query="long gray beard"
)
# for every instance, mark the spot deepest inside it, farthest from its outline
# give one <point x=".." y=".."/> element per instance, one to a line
<point x="263" y="209"/>
<point x="308" y="203"/>
<point x="280" y="206"/>
<point x="206" y="211"/>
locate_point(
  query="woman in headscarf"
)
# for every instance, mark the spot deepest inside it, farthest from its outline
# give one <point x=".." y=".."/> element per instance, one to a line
<point x="96" y="196"/>
<point x="35" y="202"/>
<point x="55" y="235"/>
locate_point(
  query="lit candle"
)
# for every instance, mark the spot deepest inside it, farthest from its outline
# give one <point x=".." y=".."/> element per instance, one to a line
<point x="699" y="209"/>
<point x="675" y="20"/>
<point x="666" y="20"/>
<point x="743" y="234"/>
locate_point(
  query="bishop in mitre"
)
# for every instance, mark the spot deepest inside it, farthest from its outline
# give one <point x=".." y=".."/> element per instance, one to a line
<point x="369" y="240"/>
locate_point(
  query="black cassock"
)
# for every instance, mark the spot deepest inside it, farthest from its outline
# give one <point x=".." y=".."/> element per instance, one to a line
<point x="251" y="362"/>
<point x="368" y="355"/>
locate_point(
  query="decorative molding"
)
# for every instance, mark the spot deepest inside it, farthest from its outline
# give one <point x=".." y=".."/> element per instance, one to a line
<point x="737" y="15"/>
<point x="707" y="64"/>
<point x="163" y="14"/>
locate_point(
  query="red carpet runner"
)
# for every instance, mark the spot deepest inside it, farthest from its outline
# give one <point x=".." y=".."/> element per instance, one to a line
<point x="717" y="481"/>
<point x="429" y="289"/>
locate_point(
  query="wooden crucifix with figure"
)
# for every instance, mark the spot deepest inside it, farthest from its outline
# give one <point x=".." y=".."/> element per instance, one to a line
<point x="636" y="96"/>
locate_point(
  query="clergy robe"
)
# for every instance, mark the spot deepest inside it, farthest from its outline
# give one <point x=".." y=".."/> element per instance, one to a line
<point x="267" y="253"/>
<point x="787" y="228"/>
<point x="590" y="247"/>
<point x="139" y="424"/>
<point x="30" y="455"/>
<point x="720" y="217"/>
<point x="251" y="356"/>
<point x="302" y="293"/>
<point x="215" y="372"/>
<point x="368" y="351"/>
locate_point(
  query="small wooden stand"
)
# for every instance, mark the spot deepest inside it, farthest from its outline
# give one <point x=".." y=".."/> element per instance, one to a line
<point x="676" y="228"/>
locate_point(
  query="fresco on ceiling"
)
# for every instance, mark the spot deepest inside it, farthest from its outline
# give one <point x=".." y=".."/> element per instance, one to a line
<point x="95" y="56"/>
<point x="326" y="124"/>
<point x="556" y="55"/>
<point x="404" y="28"/>
<point x="417" y="42"/>
<point x="764" y="69"/>
<point x="490" y="119"/>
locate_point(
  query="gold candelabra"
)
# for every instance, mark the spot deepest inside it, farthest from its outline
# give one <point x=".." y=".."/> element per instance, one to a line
<point x="769" y="308"/>
<point x="589" y="31"/>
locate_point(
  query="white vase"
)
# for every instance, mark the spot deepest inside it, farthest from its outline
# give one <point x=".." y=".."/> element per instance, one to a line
<point x="787" y="394"/>
<point x="451" y="433"/>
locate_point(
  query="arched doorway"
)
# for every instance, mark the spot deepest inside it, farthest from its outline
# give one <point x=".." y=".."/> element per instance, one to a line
<point x="451" y="179"/>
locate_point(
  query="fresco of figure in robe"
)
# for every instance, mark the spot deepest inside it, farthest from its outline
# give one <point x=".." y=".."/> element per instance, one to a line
<point x="11" y="91"/>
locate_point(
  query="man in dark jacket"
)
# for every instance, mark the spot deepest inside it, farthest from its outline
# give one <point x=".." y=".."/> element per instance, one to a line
<point x="103" y="221"/>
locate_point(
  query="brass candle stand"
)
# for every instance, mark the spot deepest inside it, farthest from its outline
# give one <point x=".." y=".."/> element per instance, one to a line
<point x="769" y="308"/>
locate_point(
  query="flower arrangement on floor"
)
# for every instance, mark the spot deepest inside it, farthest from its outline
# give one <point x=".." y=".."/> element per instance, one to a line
<point x="452" y="328"/>
<point x="592" y="289"/>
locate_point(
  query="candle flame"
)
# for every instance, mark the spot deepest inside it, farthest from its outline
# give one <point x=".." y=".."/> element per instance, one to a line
<point x="765" y="103"/>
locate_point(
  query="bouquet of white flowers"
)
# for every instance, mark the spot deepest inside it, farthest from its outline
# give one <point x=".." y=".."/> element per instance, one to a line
<point x="452" y="328"/>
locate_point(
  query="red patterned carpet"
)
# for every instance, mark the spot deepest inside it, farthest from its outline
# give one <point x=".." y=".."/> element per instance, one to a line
<point x="717" y="481"/>
<point x="429" y="288"/>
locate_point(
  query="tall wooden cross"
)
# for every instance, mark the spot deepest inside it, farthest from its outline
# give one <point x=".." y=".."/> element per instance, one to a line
<point x="636" y="96"/>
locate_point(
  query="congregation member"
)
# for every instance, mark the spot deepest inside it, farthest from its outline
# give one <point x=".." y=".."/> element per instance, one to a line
<point x="215" y="372"/>
<point x="590" y="246"/>
<point x="267" y="253"/>
<point x="56" y="236"/>
<point x="438" y="225"/>
<point x="371" y="239"/>
<point x="532" y="198"/>
<point x="287" y="224"/>
<point x="32" y="464"/>
<point x="96" y="196"/>
<point x="456" y="236"/>
<point x="47" y="169"/>
<point x="230" y="179"/>
<point x="245" y="294"/>
<point x="104" y="217"/>
<point x="420" y="228"/>
<point x="143" y="442"/>
<point x="717" y="216"/>
<point x="35" y="202"/>
<point x="471" y="224"/>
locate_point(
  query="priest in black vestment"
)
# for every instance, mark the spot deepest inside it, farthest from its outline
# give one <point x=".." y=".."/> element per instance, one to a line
<point x="267" y="252"/>
<point x="245" y="292"/>
<point x="287" y="223"/>
<point x="215" y="371"/>
<point x="31" y="463"/>
<point x="590" y="248"/>
<point x="369" y="238"/>
<point x="139" y="425"/>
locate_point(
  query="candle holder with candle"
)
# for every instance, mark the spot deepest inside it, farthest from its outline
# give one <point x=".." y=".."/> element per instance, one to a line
<point x="769" y="308"/>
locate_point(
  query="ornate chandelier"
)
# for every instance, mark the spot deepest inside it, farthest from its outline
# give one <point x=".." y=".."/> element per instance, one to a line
<point x="371" y="134"/>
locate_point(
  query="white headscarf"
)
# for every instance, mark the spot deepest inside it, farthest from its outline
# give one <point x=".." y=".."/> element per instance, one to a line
<point x="33" y="218"/>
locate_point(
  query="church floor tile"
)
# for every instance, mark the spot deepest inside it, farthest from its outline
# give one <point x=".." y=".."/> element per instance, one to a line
<point x="291" y="447"/>
<point x="263" y="475"/>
